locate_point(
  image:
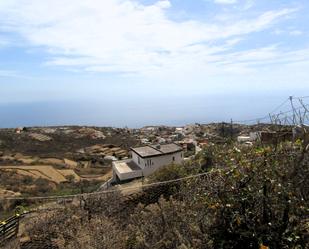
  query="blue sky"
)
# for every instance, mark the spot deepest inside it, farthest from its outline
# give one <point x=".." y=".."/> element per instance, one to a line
<point x="123" y="62"/>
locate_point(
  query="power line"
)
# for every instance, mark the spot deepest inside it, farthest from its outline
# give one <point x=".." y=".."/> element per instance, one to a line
<point x="278" y="107"/>
<point x="265" y="117"/>
<point x="169" y="181"/>
<point x="252" y="120"/>
<point x="268" y="117"/>
<point x="113" y="190"/>
<point x="289" y="111"/>
<point x="63" y="197"/>
<point x="302" y="97"/>
<point x="106" y="191"/>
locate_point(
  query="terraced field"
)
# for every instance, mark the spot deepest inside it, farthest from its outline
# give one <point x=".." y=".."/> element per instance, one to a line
<point x="43" y="171"/>
<point x="52" y="174"/>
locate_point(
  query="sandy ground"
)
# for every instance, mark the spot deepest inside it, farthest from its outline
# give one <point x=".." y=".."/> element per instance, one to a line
<point x="102" y="178"/>
<point x="27" y="160"/>
<point x="44" y="171"/>
<point x="136" y="185"/>
<point x="52" y="161"/>
<point x="8" y="193"/>
<point x="67" y="172"/>
<point x="50" y="173"/>
<point x="72" y="164"/>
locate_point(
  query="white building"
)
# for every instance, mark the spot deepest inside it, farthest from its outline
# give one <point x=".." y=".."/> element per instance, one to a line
<point x="146" y="160"/>
<point x="255" y="136"/>
<point x="243" y="139"/>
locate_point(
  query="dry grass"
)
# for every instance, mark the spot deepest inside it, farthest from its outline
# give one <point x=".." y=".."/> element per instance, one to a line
<point x="69" y="172"/>
<point x="70" y="163"/>
<point x="8" y="193"/>
<point x="43" y="171"/>
<point x="56" y="175"/>
<point x="54" y="161"/>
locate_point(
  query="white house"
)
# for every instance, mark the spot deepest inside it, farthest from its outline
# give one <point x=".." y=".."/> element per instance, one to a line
<point x="243" y="139"/>
<point x="255" y="136"/>
<point x="146" y="160"/>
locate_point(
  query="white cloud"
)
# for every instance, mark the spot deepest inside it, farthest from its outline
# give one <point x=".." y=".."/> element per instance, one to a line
<point x="296" y="32"/>
<point x="265" y="55"/>
<point x="288" y="32"/>
<point x="126" y="36"/>
<point x="248" y="4"/>
<point x="226" y="1"/>
<point x="164" y="4"/>
<point x="278" y="31"/>
<point x="241" y="5"/>
<point x="9" y="74"/>
<point x="3" y="42"/>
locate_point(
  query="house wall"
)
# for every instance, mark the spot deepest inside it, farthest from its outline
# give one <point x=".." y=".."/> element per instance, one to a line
<point x="154" y="163"/>
<point x="255" y="136"/>
<point x="242" y="139"/>
<point x="140" y="162"/>
<point x="126" y="176"/>
<point x="148" y="165"/>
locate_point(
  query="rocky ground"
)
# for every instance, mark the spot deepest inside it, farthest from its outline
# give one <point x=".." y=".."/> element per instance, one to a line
<point x="58" y="160"/>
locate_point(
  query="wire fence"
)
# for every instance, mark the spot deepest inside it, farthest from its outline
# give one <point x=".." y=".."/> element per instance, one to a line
<point x="98" y="193"/>
<point x="296" y="114"/>
<point x="9" y="229"/>
<point x="121" y="202"/>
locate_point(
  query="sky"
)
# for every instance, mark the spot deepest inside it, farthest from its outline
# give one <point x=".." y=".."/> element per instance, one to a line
<point x="149" y="62"/>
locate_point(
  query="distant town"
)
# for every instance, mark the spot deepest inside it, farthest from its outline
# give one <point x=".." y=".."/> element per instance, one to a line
<point x="62" y="157"/>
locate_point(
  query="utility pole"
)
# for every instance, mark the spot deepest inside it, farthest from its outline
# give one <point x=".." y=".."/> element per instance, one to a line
<point x="294" y="115"/>
<point x="231" y="129"/>
<point x="222" y="130"/>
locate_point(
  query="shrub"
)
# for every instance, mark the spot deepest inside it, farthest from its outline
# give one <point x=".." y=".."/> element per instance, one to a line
<point x="249" y="198"/>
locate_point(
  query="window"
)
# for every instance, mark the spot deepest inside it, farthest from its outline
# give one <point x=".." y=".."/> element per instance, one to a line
<point x="139" y="160"/>
<point x="173" y="158"/>
<point x="149" y="163"/>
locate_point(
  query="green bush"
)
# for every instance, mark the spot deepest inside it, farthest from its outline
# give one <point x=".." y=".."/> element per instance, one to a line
<point x="251" y="197"/>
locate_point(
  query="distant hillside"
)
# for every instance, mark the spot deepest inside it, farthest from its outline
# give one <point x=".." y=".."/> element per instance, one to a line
<point x="250" y="197"/>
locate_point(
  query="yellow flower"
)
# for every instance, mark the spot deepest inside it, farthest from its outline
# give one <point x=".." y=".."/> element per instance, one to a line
<point x="263" y="247"/>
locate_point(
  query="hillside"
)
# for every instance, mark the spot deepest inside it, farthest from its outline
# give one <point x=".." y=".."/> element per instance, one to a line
<point x="58" y="160"/>
<point x="237" y="197"/>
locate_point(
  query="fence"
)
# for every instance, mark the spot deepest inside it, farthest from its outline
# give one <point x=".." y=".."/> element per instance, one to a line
<point x="9" y="228"/>
<point x="107" y="184"/>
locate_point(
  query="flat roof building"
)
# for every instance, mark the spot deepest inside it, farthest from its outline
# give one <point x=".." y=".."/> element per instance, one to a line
<point x="146" y="160"/>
